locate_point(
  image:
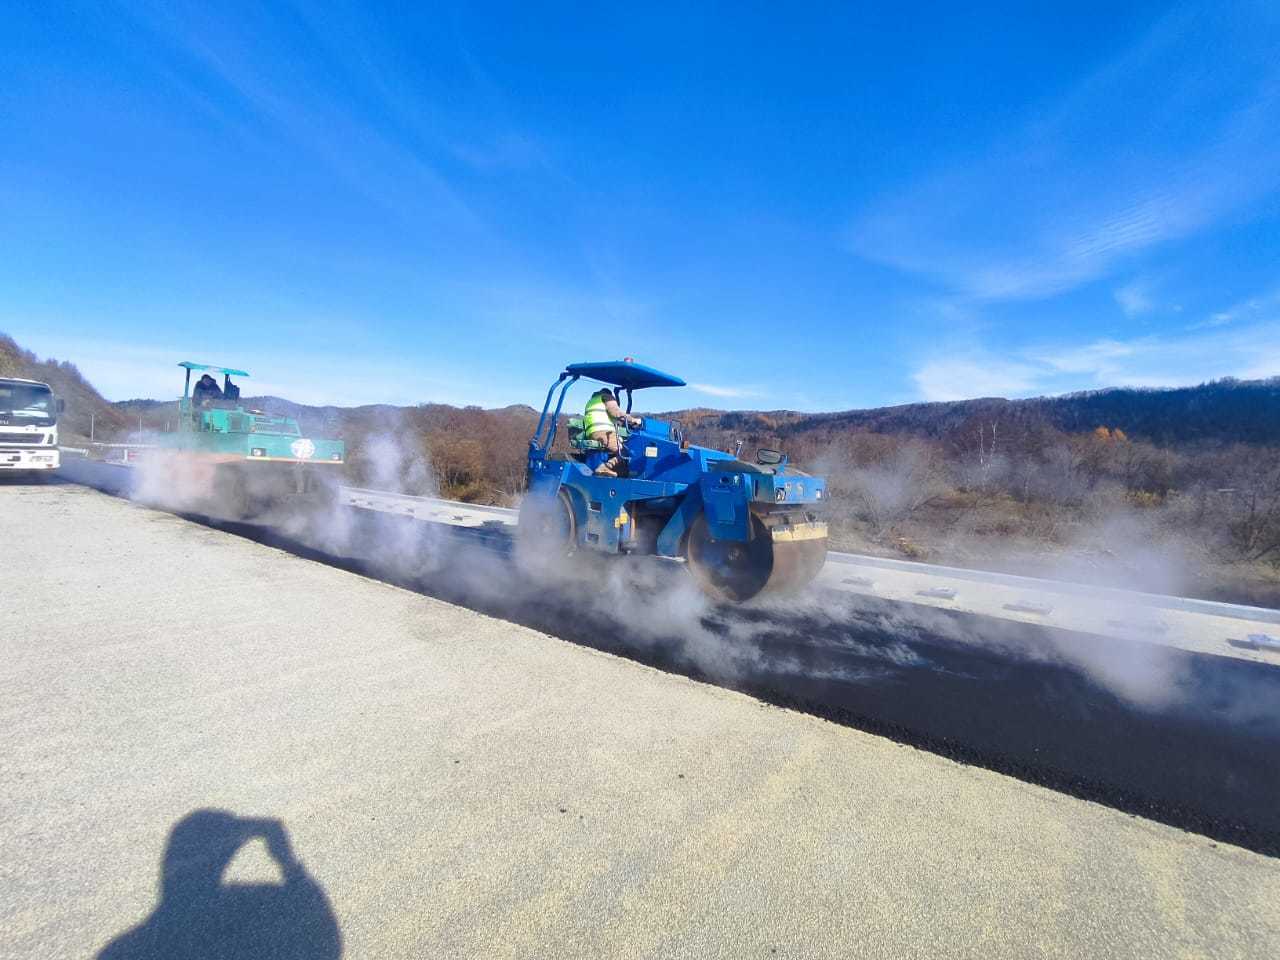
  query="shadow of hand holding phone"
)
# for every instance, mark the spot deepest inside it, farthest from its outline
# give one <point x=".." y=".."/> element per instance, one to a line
<point x="200" y="915"/>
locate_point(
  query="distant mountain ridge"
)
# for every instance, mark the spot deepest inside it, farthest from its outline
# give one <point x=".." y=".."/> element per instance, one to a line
<point x="1221" y="411"/>
<point x="1228" y="411"/>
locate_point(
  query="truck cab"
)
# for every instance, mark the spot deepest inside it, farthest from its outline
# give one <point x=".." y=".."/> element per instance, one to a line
<point x="28" y="426"/>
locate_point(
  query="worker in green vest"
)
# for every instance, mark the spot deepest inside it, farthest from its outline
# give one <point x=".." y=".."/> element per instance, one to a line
<point x="600" y="423"/>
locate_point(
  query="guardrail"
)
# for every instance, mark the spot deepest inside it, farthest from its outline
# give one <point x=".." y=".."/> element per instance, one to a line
<point x="1162" y="601"/>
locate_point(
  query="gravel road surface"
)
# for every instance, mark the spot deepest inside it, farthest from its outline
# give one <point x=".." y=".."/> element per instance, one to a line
<point x="213" y="748"/>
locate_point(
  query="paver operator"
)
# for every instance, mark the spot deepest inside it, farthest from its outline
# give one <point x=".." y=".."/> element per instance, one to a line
<point x="205" y="392"/>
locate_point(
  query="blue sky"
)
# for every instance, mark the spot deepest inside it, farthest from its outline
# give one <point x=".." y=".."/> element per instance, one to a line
<point x="821" y="208"/>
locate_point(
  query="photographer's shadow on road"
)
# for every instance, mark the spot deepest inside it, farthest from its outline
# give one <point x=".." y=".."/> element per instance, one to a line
<point x="200" y="915"/>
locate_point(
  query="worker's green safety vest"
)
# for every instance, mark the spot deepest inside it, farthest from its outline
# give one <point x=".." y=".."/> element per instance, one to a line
<point x="596" y="418"/>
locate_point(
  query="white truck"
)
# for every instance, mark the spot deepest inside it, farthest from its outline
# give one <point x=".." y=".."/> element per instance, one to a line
<point x="28" y="425"/>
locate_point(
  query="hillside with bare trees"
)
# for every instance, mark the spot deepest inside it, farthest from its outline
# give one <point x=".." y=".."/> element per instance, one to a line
<point x="1125" y="487"/>
<point x="1164" y="490"/>
<point x="86" y="407"/>
<point x="1153" y="499"/>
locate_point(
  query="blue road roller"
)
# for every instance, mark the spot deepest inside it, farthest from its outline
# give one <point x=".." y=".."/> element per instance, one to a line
<point x="742" y="528"/>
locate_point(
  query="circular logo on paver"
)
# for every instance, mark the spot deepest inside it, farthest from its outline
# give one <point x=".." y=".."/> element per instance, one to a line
<point x="303" y="449"/>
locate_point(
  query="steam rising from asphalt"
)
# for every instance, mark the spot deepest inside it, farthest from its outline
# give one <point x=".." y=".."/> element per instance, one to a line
<point x="178" y="484"/>
<point x="1140" y="673"/>
<point x="392" y="465"/>
<point x="655" y="603"/>
<point x="390" y="462"/>
<point x="645" y="601"/>
<point x="1128" y="547"/>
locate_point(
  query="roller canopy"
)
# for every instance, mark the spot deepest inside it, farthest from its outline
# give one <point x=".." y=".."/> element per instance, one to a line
<point x="206" y="368"/>
<point x="624" y="374"/>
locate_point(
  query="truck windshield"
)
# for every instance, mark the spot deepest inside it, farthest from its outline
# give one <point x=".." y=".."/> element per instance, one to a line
<point x="27" y="402"/>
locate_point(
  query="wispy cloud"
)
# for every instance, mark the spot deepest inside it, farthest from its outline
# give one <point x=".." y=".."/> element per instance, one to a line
<point x="1134" y="298"/>
<point x="1099" y="359"/>
<point x="974" y="375"/>
<point x="1248" y="352"/>
<point x="505" y="152"/>
<point x="1111" y="170"/>
<point x="1245" y="311"/>
<point x="728" y="393"/>
<point x="303" y="106"/>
